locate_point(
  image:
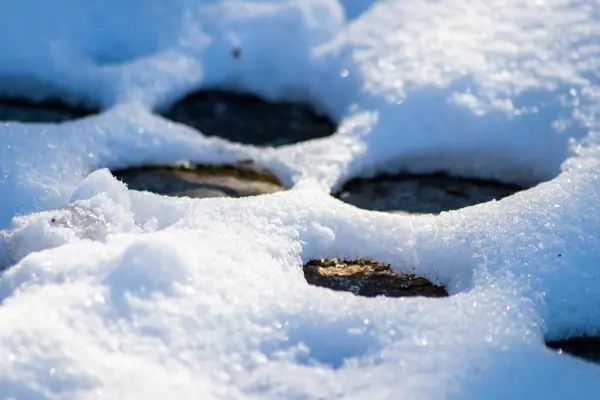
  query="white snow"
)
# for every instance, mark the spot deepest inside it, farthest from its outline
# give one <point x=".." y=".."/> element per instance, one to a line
<point x="119" y="294"/>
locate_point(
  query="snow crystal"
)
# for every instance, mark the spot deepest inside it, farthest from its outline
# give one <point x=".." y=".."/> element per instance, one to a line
<point x="120" y="294"/>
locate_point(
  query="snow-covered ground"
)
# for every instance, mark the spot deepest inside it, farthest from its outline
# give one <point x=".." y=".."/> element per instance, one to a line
<point x="123" y="295"/>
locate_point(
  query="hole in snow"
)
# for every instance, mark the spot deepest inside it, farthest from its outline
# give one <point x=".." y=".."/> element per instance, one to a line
<point x="5" y="260"/>
<point x="587" y="348"/>
<point x="51" y="111"/>
<point x="248" y="119"/>
<point x="199" y="180"/>
<point x="368" y="278"/>
<point x="421" y="194"/>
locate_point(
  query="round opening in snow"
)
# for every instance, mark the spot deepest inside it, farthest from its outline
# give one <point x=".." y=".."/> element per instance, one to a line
<point x="421" y="194"/>
<point x="52" y="111"/>
<point x="248" y="119"/>
<point x="200" y="181"/>
<point x="368" y="278"/>
<point x="587" y="348"/>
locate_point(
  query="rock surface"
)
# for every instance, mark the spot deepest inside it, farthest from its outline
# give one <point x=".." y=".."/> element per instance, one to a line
<point x="368" y="278"/>
<point x="421" y="194"/>
<point x="248" y="119"/>
<point x="199" y="180"/>
<point x="585" y="348"/>
<point x="44" y="112"/>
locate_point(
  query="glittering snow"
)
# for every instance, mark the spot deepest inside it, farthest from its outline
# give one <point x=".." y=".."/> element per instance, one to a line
<point x="122" y="294"/>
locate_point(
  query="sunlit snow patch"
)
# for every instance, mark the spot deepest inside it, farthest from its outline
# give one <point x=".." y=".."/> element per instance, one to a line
<point x="205" y="298"/>
<point x="99" y="207"/>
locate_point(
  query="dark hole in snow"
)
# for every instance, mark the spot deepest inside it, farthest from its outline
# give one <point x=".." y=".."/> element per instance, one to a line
<point x="199" y="180"/>
<point x="587" y="348"/>
<point x="368" y="278"/>
<point x="5" y="260"/>
<point x="248" y="119"/>
<point x="50" y="111"/>
<point x="421" y="194"/>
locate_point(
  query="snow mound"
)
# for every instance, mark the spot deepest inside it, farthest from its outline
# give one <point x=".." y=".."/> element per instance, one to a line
<point x="120" y="294"/>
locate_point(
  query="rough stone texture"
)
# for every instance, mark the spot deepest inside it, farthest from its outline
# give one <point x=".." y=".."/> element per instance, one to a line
<point x="46" y="112"/>
<point x="248" y="119"/>
<point x="368" y="278"/>
<point x="585" y="348"/>
<point x="200" y="181"/>
<point x="421" y="194"/>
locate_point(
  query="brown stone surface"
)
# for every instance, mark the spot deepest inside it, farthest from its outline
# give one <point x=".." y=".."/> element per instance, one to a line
<point x="368" y="278"/>
<point x="421" y="194"/>
<point x="587" y="348"/>
<point x="246" y="118"/>
<point x="200" y="181"/>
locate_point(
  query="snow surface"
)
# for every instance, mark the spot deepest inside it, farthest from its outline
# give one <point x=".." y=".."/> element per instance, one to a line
<point x="119" y="294"/>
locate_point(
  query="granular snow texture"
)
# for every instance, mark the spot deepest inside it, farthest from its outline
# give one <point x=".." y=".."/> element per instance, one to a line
<point x="120" y="294"/>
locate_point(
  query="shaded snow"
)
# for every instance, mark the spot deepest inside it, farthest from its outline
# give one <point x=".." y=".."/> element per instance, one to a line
<point x="120" y="294"/>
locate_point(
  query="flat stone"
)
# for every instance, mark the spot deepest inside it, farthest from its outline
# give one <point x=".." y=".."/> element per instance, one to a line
<point x="199" y="180"/>
<point x="587" y="348"/>
<point x="421" y="194"/>
<point x="248" y="119"/>
<point x="368" y="278"/>
<point x="45" y="112"/>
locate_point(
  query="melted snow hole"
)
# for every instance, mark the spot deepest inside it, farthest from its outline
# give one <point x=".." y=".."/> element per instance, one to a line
<point x="368" y="278"/>
<point x="248" y="119"/>
<point x="51" y="111"/>
<point x="587" y="348"/>
<point x="421" y="194"/>
<point x="200" y="180"/>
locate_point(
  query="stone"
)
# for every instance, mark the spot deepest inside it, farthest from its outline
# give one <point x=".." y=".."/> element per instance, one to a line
<point x="368" y="278"/>
<point x="200" y="180"/>
<point x="421" y="194"/>
<point x="248" y="119"/>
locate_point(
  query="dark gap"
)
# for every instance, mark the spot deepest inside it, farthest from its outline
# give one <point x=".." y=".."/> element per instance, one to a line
<point x="50" y="111"/>
<point x="587" y="348"/>
<point x="248" y="119"/>
<point x="368" y="278"/>
<point x="421" y="194"/>
<point x="200" y="180"/>
<point x="5" y="260"/>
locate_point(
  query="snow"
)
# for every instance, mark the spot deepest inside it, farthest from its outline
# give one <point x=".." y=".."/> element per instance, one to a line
<point x="114" y="293"/>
